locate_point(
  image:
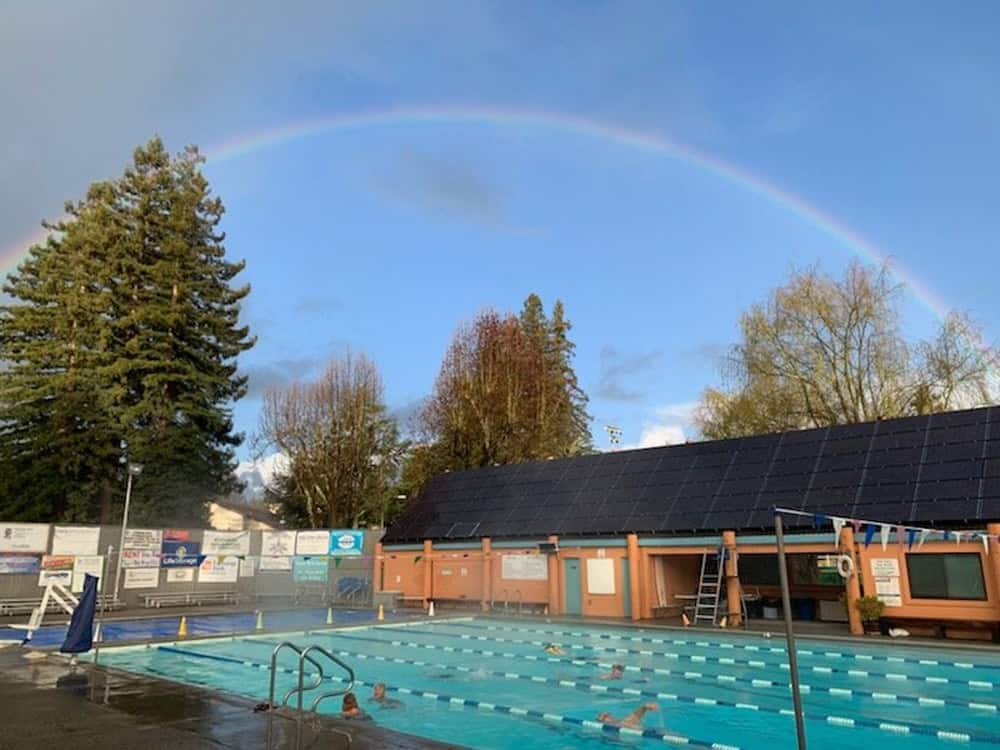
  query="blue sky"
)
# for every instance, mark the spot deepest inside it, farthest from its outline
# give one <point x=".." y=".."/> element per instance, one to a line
<point x="385" y="238"/>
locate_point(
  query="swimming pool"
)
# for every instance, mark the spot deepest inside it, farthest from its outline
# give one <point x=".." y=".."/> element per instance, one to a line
<point x="487" y="683"/>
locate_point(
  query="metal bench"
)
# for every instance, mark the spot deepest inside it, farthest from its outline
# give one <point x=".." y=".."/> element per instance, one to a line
<point x="25" y="606"/>
<point x="196" y="598"/>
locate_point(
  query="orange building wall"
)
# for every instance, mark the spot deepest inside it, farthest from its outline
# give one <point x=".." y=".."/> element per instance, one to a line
<point x="401" y="573"/>
<point x="600" y="605"/>
<point x="457" y="575"/>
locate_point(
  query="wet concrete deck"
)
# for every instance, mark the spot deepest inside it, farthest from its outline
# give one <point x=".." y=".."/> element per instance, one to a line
<point x="46" y="704"/>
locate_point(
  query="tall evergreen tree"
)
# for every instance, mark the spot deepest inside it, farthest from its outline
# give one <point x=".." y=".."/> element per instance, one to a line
<point x="123" y="333"/>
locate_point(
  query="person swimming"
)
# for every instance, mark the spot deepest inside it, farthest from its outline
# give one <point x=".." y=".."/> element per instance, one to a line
<point x="632" y="721"/>
<point x="616" y="673"/>
<point x="350" y="709"/>
<point x="379" y="696"/>
<point x="554" y="649"/>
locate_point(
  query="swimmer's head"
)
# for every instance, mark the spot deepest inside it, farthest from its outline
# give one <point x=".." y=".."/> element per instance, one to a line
<point x="605" y="717"/>
<point x="617" y="668"/>
<point x="350" y="702"/>
<point x="378" y="692"/>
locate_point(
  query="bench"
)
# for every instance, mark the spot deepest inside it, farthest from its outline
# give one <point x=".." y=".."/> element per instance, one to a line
<point x="938" y="628"/>
<point x="196" y="598"/>
<point x="25" y="606"/>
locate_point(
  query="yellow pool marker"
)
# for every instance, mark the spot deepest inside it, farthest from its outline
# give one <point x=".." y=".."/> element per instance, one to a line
<point x="329" y="615"/>
<point x="259" y="625"/>
<point x="182" y="629"/>
<point x="381" y="613"/>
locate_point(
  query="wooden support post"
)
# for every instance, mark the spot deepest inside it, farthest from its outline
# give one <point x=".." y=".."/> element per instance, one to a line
<point x="555" y="590"/>
<point x="632" y="546"/>
<point x="852" y="585"/>
<point x="734" y="606"/>
<point x="487" y="587"/>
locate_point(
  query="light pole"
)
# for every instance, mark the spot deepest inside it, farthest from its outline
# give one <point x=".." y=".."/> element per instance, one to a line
<point x="134" y="470"/>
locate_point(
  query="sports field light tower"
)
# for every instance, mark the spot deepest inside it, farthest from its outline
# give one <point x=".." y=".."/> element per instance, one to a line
<point x="614" y="435"/>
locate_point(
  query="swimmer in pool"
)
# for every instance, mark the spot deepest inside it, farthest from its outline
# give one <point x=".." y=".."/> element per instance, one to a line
<point x="616" y="673"/>
<point x="632" y="721"/>
<point x="379" y="696"/>
<point x="350" y="709"/>
<point x="554" y="649"/>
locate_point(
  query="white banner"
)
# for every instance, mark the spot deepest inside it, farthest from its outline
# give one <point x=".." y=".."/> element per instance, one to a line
<point x="75" y="540"/>
<point x="885" y="567"/>
<point x="525" y="568"/>
<point x="180" y="575"/>
<point x="62" y="577"/>
<point x="600" y="576"/>
<point x="139" y="558"/>
<point x="84" y="564"/>
<point x="142" y="578"/>
<point x="24" y="537"/>
<point x="219" y="570"/>
<point x="226" y="543"/>
<point x="277" y="543"/>
<point x="312" y="543"/>
<point x="276" y="563"/>
<point x="246" y="567"/>
<point x="147" y="540"/>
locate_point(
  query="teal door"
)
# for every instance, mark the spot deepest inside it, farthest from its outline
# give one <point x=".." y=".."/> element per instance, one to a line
<point x="571" y="580"/>
<point x="627" y="593"/>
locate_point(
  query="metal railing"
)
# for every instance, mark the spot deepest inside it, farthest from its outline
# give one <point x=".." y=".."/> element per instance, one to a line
<point x="274" y="673"/>
<point x="305" y="655"/>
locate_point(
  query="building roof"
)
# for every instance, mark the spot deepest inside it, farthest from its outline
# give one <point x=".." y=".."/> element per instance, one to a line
<point x="942" y="469"/>
<point x="252" y="512"/>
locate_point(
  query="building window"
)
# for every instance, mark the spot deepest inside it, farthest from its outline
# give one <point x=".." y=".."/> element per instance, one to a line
<point x="950" y="576"/>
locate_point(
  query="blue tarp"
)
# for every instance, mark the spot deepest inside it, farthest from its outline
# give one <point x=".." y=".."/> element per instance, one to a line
<point x="80" y="636"/>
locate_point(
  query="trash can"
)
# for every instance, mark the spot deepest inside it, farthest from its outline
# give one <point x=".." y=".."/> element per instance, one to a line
<point x="805" y="609"/>
<point x="772" y="607"/>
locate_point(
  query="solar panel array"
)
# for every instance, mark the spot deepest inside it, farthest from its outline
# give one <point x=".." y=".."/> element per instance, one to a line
<point x="942" y="469"/>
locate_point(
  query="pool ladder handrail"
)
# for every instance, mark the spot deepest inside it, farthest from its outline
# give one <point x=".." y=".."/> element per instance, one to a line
<point x="303" y="657"/>
<point x="274" y="673"/>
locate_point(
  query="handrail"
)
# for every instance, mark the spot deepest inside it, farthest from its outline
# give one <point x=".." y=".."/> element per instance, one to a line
<point x="330" y="693"/>
<point x="274" y="671"/>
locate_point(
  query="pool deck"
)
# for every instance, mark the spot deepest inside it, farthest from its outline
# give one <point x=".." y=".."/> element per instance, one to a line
<point x="49" y="704"/>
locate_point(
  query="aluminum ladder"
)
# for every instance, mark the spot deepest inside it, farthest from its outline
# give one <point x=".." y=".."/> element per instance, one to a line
<point x="306" y="655"/>
<point x="706" y="603"/>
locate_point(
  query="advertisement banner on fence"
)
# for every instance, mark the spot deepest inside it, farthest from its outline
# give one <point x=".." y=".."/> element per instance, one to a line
<point x="311" y="569"/>
<point x="140" y="558"/>
<point x="56" y="569"/>
<point x="312" y="543"/>
<point x="277" y="543"/>
<point x="219" y="569"/>
<point x="176" y="535"/>
<point x="226" y="543"/>
<point x="180" y="554"/>
<point x="24" y="537"/>
<point x="275" y="563"/>
<point x="20" y="564"/>
<point x="84" y="564"/>
<point x="75" y="540"/>
<point x="142" y="578"/>
<point x="147" y="540"/>
<point x="347" y="543"/>
<point x="180" y="575"/>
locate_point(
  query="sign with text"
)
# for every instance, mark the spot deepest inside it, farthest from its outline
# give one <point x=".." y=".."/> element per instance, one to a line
<point x="885" y="570"/>
<point x="226" y="543"/>
<point x="75" y="540"/>
<point x="29" y="564"/>
<point x="525" y="568"/>
<point x="346" y="543"/>
<point x="219" y="569"/>
<point x="312" y="543"/>
<point x="139" y="558"/>
<point x="177" y="535"/>
<point x="277" y="543"/>
<point x="311" y="569"/>
<point x="275" y="563"/>
<point x="885" y="567"/>
<point x="84" y="564"/>
<point x="147" y="540"/>
<point x="142" y="578"/>
<point x="56" y="569"/>
<point x="180" y="575"/>
<point x="180" y="554"/>
<point x="24" y="537"/>
<point x="600" y="576"/>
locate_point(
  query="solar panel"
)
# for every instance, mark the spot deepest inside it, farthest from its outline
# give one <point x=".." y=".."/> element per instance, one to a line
<point x="939" y="469"/>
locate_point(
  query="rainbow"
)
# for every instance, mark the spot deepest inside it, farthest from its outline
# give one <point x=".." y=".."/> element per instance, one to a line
<point x="580" y="126"/>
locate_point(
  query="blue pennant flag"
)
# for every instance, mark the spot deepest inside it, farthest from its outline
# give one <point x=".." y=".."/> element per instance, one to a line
<point x="869" y="533"/>
<point x="80" y="636"/>
<point x="911" y="534"/>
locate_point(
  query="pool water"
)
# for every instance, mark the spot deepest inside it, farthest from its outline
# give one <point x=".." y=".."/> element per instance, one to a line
<point x="489" y="684"/>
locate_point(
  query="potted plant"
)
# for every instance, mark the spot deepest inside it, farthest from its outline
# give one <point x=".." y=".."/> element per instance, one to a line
<point x="870" y="609"/>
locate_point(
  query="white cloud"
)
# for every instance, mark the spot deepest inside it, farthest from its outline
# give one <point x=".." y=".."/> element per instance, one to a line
<point x="669" y="425"/>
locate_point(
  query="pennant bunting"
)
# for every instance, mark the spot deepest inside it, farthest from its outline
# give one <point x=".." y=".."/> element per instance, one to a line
<point x="869" y="534"/>
<point x="900" y="531"/>
<point x="819" y="519"/>
<point x="923" y="537"/>
<point x="838" y="525"/>
<point x="910" y="535"/>
<point x="857" y="526"/>
<point x="986" y="542"/>
<point x="886" y="530"/>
